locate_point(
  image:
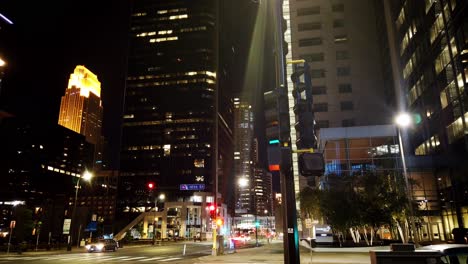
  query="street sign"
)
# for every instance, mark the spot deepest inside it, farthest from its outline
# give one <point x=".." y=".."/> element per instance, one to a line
<point x="214" y="225"/>
<point x="66" y="226"/>
<point x="91" y="227"/>
<point x="308" y="223"/>
<point x="12" y="224"/>
<point x="192" y="187"/>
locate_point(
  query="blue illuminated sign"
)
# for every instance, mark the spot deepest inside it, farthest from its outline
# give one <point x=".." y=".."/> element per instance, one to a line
<point x="192" y="187"/>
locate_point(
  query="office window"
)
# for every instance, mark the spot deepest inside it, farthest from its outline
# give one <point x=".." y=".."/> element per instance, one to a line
<point x="337" y="23"/>
<point x="309" y="26"/>
<point x="338" y="7"/>
<point x="346" y="106"/>
<point x="347" y="122"/>
<point x="310" y="42"/>
<point x="340" y="39"/>
<point x="342" y="55"/>
<point x="345" y="88"/>
<point x="317" y="90"/>
<point x="322" y="123"/>
<point x="313" y="57"/>
<point x="308" y="11"/>
<point x="343" y="71"/>
<point x="317" y="73"/>
<point x="321" y="107"/>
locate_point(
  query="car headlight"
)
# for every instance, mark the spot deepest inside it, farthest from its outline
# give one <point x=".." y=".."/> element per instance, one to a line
<point x="99" y="246"/>
<point x="88" y="247"/>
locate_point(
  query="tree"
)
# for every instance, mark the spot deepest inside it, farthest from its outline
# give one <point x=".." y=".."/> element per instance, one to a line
<point x="24" y="223"/>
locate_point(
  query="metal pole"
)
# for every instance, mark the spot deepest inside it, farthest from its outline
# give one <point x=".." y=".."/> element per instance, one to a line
<point x="37" y="238"/>
<point x="78" y="239"/>
<point x="9" y="240"/>
<point x="291" y="235"/>
<point x="72" y="224"/>
<point x="408" y="191"/>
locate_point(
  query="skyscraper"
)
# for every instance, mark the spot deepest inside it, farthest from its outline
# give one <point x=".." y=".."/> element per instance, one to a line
<point x="429" y="44"/>
<point x="172" y="124"/>
<point x="81" y="106"/>
<point x="243" y="165"/>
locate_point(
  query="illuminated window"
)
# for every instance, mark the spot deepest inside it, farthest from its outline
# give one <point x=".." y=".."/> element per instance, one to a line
<point x="455" y="130"/>
<point x="401" y="18"/>
<point x="167" y="150"/>
<point x="428" y="146"/>
<point x="340" y="39"/>
<point x="199" y="163"/>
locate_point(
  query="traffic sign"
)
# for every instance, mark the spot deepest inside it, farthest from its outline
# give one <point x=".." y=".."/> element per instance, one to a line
<point x="308" y="223"/>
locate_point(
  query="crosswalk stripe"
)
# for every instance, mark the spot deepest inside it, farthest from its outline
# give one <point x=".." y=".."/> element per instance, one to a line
<point x="169" y="259"/>
<point x="149" y="259"/>
<point x="135" y="258"/>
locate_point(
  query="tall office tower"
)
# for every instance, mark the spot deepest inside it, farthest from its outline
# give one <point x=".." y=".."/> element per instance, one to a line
<point x="172" y="124"/>
<point x="430" y="53"/>
<point x="262" y="192"/>
<point x="339" y="41"/>
<point x="243" y="164"/>
<point x="81" y="106"/>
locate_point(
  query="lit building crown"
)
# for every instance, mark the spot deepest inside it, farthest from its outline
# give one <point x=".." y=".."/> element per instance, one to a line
<point x="85" y="80"/>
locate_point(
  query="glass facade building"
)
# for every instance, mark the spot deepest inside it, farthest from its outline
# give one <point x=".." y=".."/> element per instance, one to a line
<point x="431" y="50"/>
<point x="171" y="123"/>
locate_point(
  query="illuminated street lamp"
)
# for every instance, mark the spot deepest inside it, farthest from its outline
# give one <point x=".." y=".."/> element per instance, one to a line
<point x="404" y="120"/>
<point x="87" y="177"/>
<point x="2" y="62"/>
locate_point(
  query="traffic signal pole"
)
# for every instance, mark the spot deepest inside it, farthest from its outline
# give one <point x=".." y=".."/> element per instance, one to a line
<point x="290" y="231"/>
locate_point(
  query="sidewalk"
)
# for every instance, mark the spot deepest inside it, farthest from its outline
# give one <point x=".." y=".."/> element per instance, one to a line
<point x="273" y="253"/>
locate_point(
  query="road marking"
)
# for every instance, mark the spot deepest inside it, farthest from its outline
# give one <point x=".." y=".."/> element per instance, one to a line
<point x="155" y="258"/>
<point x="170" y="259"/>
<point x="135" y="258"/>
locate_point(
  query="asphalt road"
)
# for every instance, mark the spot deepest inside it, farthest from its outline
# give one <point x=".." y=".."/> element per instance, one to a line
<point x="170" y="253"/>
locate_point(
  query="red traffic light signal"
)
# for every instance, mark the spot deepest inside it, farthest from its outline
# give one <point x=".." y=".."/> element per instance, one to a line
<point x="151" y="185"/>
<point x="212" y="209"/>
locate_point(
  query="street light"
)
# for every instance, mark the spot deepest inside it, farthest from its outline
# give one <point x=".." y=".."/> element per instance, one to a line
<point x="404" y="120"/>
<point x="87" y="177"/>
<point x="2" y="62"/>
<point x="161" y="197"/>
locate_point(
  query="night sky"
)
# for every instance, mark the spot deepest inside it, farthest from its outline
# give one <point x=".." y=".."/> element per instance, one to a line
<point x="49" y="38"/>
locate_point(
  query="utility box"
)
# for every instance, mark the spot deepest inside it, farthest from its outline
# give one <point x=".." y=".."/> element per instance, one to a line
<point x="404" y="254"/>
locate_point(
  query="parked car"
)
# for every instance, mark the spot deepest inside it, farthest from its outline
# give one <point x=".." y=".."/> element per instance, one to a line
<point x="102" y="245"/>
<point x="451" y="253"/>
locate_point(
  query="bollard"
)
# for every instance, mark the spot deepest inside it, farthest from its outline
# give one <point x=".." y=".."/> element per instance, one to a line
<point x="185" y="245"/>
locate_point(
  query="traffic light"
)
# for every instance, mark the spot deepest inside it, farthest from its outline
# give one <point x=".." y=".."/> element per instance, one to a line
<point x="151" y="185"/>
<point x="311" y="164"/>
<point x="212" y="209"/>
<point x="219" y="221"/>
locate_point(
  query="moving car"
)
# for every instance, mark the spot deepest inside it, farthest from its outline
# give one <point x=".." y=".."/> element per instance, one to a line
<point x="451" y="253"/>
<point x="102" y="245"/>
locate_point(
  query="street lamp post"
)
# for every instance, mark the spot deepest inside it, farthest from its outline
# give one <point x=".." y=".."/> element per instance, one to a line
<point x="87" y="177"/>
<point x="403" y="120"/>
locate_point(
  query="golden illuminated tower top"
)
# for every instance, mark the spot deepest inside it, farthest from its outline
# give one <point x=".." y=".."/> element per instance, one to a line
<point x="85" y="80"/>
<point x="81" y="106"/>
